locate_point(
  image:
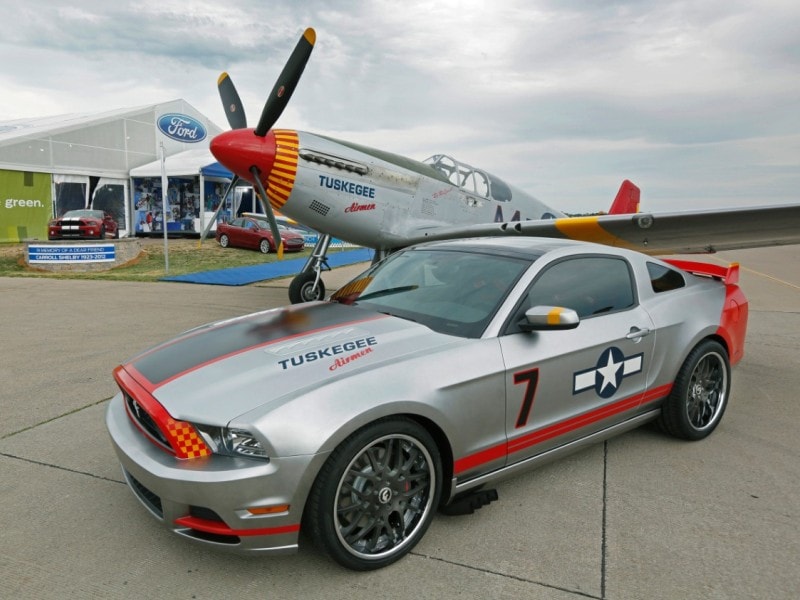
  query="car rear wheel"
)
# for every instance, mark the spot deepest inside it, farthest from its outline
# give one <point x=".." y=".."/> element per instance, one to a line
<point x="699" y="396"/>
<point x="264" y="246"/>
<point x="224" y="241"/>
<point x="376" y="495"/>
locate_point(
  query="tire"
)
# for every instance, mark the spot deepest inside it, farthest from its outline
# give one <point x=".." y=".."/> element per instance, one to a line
<point x="263" y="246"/>
<point x="302" y="289"/>
<point x="699" y="396"/>
<point x="102" y="234"/>
<point x="363" y="511"/>
<point x="224" y="241"/>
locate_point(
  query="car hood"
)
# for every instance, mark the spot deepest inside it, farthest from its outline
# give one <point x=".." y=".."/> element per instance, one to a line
<point x="217" y="372"/>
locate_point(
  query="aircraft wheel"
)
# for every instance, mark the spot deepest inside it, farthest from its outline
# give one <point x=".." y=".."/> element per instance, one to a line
<point x="302" y="288"/>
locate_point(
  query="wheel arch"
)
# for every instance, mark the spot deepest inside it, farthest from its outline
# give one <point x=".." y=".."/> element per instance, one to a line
<point x="439" y="436"/>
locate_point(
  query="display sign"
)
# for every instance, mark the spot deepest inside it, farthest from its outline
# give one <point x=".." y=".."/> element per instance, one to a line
<point x="25" y="205"/>
<point x="71" y="253"/>
<point x="182" y="128"/>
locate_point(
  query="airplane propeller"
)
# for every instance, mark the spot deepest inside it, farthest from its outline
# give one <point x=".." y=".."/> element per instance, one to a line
<point x="231" y="102"/>
<point x="273" y="108"/>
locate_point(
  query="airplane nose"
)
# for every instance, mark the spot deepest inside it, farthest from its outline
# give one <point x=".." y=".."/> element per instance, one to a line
<point x="240" y="149"/>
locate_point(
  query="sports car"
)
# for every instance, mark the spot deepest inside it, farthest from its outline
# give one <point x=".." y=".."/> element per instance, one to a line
<point x="83" y="224"/>
<point x="416" y="387"/>
<point x="250" y="232"/>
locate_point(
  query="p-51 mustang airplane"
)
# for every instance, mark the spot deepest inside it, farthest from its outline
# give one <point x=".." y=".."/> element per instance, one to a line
<point x="385" y="201"/>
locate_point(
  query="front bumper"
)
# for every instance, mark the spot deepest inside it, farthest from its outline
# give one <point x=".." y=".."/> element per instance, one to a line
<point x="207" y="500"/>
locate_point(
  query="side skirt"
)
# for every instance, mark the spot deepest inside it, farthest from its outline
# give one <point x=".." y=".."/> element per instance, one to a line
<point x="551" y="455"/>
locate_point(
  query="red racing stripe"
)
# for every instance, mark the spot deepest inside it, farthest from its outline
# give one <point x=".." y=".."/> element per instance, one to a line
<point x="532" y="438"/>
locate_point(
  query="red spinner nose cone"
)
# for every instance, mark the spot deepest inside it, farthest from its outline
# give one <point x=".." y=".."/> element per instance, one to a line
<point x="240" y="149"/>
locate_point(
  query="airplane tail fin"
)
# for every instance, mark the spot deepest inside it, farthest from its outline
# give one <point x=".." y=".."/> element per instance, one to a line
<point x="627" y="200"/>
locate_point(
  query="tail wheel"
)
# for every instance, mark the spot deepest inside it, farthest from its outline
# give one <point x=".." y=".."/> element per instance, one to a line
<point x="700" y="393"/>
<point x="376" y="495"/>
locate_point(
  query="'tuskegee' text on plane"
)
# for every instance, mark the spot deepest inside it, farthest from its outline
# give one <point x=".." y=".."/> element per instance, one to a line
<point x="385" y="201"/>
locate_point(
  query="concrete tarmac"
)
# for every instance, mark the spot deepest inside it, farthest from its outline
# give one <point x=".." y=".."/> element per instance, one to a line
<point x="640" y="516"/>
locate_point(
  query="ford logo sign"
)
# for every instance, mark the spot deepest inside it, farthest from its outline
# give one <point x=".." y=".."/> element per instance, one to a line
<point x="182" y="128"/>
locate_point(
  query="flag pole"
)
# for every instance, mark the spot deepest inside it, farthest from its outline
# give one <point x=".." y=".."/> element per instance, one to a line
<point x="164" y="200"/>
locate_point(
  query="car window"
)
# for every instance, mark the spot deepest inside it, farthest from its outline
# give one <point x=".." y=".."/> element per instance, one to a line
<point x="589" y="285"/>
<point x="664" y="279"/>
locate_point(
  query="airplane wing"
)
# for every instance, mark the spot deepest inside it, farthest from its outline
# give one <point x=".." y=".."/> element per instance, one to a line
<point x="652" y="233"/>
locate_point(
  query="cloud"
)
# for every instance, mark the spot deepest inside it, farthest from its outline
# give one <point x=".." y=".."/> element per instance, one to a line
<point x="565" y="98"/>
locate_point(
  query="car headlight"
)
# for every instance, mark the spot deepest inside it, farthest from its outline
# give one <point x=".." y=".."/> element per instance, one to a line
<point x="232" y="442"/>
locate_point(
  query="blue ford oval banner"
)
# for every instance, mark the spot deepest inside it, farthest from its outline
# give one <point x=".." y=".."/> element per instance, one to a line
<point x="182" y="128"/>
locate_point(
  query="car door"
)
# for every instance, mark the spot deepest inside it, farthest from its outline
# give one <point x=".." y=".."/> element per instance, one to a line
<point x="562" y="385"/>
<point x="238" y="233"/>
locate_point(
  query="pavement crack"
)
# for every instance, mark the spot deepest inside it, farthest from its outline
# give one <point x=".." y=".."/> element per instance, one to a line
<point x="508" y="576"/>
<point x="59" y="467"/>
<point x="51" y="419"/>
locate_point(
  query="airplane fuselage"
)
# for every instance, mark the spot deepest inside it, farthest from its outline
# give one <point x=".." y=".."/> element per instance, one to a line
<point x="370" y="197"/>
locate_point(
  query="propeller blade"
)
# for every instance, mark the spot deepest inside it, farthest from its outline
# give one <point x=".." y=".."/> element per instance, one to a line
<point x="287" y="81"/>
<point x="231" y="102"/>
<point x="213" y="219"/>
<point x="273" y="224"/>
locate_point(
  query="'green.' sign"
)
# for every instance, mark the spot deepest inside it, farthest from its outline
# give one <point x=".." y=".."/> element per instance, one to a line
<point x="26" y="205"/>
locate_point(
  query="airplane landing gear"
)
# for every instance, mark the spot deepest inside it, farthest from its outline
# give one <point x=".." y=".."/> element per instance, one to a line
<point x="307" y="285"/>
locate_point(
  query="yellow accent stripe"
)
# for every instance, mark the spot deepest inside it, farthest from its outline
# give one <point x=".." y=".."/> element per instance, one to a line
<point x="553" y="316"/>
<point x="586" y="229"/>
<point x="281" y="178"/>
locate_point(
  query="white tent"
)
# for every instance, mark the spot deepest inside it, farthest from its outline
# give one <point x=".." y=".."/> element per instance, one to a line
<point x="189" y="163"/>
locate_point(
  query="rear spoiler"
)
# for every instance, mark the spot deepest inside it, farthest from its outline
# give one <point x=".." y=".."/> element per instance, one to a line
<point x="729" y="274"/>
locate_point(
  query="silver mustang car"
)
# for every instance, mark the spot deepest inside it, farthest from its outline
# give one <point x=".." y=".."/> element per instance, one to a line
<point x="417" y="386"/>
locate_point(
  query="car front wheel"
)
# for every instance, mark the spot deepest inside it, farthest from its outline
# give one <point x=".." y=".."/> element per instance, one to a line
<point x="699" y="396"/>
<point x="376" y="495"/>
<point x="264" y="246"/>
<point x="224" y="241"/>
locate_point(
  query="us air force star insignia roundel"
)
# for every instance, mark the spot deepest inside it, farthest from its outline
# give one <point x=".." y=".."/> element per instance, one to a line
<point x="607" y="375"/>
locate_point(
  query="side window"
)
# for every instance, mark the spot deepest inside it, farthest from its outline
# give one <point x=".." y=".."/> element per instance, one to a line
<point x="590" y="285"/>
<point x="664" y="279"/>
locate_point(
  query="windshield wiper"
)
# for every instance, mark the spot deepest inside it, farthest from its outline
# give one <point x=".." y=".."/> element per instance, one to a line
<point x="388" y="292"/>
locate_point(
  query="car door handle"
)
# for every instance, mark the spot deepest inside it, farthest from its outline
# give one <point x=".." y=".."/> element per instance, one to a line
<point x="637" y="333"/>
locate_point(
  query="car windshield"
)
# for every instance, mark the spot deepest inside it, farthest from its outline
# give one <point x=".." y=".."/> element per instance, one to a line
<point x="451" y="291"/>
<point x="74" y="214"/>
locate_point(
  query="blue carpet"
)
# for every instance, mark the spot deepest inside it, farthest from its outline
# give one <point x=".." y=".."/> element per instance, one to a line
<point x="273" y="270"/>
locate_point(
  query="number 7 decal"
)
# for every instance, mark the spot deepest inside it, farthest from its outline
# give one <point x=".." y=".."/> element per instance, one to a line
<point x="531" y="378"/>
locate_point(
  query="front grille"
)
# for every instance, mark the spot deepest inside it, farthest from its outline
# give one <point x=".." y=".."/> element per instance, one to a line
<point x="201" y="512"/>
<point x="151" y="500"/>
<point x="145" y="421"/>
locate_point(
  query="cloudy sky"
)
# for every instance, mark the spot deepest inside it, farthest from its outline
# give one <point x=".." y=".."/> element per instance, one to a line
<point x="696" y="102"/>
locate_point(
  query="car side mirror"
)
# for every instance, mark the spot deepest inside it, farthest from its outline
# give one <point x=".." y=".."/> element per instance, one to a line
<point x="547" y="318"/>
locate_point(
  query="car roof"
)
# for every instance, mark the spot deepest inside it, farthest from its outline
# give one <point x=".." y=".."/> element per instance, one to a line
<point x="526" y="247"/>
